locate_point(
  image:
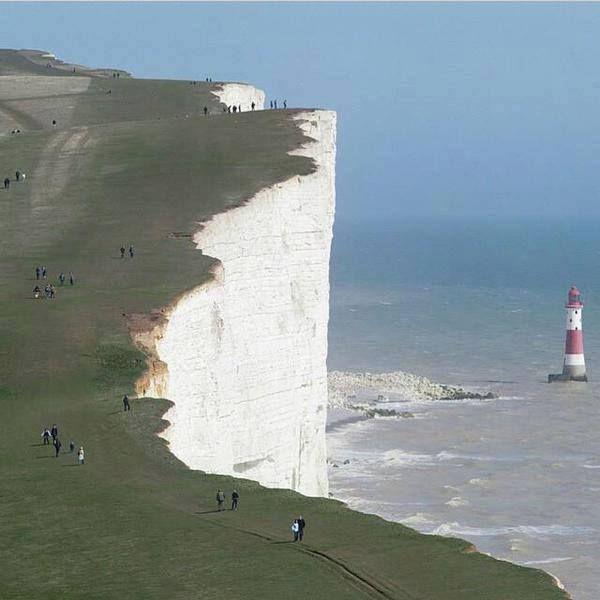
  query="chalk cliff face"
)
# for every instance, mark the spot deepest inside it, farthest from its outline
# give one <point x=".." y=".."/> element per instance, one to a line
<point x="245" y="354"/>
<point x="241" y="94"/>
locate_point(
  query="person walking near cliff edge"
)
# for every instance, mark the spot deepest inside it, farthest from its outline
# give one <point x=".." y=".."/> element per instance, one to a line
<point x="235" y="498"/>
<point x="220" y="500"/>
<point x="126" y="405"/>
<point x="301" y="525"/>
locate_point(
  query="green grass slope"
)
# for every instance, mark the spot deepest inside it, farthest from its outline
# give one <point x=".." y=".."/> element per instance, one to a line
<point x="134" y="522"/>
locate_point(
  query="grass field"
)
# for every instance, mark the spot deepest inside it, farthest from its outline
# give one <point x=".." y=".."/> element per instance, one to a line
<point x="134" y="522"/>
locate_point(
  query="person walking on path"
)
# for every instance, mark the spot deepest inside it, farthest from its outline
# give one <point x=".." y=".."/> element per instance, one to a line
<point x="71" y="446"/>
<point x="6" y="183"/>
<point x="46" y="436"/>
<point x="205" y="110"/>
<point x="295" y="529"/>
<point x="54" y="432"/>
<point x="253" y="105"/>
<point x="235" y="498"/>
<point x="285" y="104"/>
<point x="122" y="251"/>
<point x="61" y="279"/>
<point x="271" y="104"/>
<point x="131" y="251"/>
<point x="301" y="526"/>
<point x="275" y="104"/>
<point x="37" y="273"/>
<point x="71" y="279"/>
<point x="220" y="500"/>
<point x="81" y="456"/>
<point x="126" y="405"/>
<point x="57" y="446"/>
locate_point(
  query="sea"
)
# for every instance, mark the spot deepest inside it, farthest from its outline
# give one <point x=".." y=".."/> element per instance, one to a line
<point x="477" y="303"/>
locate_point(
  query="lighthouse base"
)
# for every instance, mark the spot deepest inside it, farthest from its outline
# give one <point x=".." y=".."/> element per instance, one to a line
<point x="566" y="377"/>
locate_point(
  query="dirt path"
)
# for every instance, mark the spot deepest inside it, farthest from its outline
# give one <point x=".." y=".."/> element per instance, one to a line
<point x="59" y="161"/>
<point x="11" y="118"/>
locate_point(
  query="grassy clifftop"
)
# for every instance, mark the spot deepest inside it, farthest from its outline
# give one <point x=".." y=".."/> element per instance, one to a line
<point x="141" y="165"/>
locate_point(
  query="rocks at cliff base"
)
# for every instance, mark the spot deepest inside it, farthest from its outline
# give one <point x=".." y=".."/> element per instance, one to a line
<point x="346" y="387"/>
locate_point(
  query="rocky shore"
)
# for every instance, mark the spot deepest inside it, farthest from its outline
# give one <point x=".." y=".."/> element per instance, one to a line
<point x="366" y="392"/>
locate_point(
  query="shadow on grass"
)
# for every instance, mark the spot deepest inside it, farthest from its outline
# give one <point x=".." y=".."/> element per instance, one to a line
<point x="73" y="465"/>
<point x="49" y="456"/>
<point x="208" y="512"/>
<point x="115" y="412"/>
<point x="37" y="445"/>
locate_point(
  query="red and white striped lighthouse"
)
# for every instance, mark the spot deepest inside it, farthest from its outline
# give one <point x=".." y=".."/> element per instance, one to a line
<point x="574" y="363"/>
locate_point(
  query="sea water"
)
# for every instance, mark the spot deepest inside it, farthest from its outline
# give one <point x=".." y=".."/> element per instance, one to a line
<point x="476" y="303"/>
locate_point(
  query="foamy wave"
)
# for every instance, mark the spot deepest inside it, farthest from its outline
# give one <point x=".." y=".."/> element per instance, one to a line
<point x="456" y="529"/>
<point x="416" y="520"/>
<point x="398" y="457"/>
<point x="591" y="466"/>
<point x="457" y="501"/>
<point x="547" y="561"/>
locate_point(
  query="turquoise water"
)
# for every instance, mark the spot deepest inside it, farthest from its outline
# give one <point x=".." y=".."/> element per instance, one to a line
<point x="480" y="304"/>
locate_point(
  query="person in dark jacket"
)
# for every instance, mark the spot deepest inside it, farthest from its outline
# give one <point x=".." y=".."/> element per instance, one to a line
<point x="235" y="498"/>
<point x="54" y="432"/>
<point x="122" y="251"/>
<point x="6" y="183"/>
<point x="301" y="526"/>
<point x="126" y="405"/>
<point x="57" y="446"/>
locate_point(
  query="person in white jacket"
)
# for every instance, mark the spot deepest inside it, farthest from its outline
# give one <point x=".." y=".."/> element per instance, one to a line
<point x="81" y="455"/>
<point x="295" y="529"/>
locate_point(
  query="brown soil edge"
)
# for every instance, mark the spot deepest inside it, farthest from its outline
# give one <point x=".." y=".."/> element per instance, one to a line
<point x="146" y="329"/>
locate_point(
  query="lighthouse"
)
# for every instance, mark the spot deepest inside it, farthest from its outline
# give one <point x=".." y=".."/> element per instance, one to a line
<point x="574" y="363"/>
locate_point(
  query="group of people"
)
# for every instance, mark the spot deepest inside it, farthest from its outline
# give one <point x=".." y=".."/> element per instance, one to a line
<point x="49" y="291"/>
<point x="19" y="175"/>
<point x="41" y="272"/>
<point x="273" y="104"/>
<point x="53" y="433"/>
<point x="235" y="498"/>
<point x="131" y="252"/>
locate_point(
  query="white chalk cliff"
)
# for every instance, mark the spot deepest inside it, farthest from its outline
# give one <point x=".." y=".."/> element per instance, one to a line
<point x="245" y="354"/>
<point x="241" y="94"/>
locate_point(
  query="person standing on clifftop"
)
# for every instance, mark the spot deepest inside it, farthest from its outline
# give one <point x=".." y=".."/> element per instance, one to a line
<point x="220" y="500"/>
<point x="253" y="106"/>
<point x="301" y="525"/>
<point x="235" y="498"/>
<point x="57" y="447"/>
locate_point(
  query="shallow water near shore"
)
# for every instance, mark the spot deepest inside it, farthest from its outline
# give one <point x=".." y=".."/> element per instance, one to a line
<point x="519" y="476"/>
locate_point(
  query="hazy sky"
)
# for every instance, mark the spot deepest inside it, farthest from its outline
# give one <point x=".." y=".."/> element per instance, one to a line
<point x="463" y="109"/>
